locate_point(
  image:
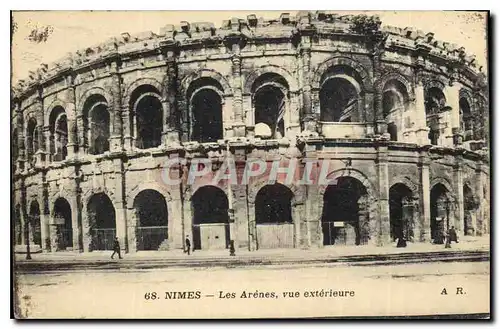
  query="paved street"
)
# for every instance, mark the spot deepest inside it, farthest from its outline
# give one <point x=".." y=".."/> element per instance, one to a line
<point x="323" y="289"/>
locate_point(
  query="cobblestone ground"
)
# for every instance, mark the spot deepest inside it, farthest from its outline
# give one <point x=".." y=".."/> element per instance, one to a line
<point x="410" y="289"/>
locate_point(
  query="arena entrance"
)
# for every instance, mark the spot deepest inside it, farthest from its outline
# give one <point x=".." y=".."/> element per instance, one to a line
<point x="210" y="218"/>
<point x="401" y="212"/>
<point x="470" y="207"/>
<point x="64" y="225"/>
<point x="273" y="217"/>
<point x="34" y="220"/>
<point x="440" y="213"/>
<point x="344" y="217"/>
<point x="102" y="221"/>
<point x="151" y="210"/>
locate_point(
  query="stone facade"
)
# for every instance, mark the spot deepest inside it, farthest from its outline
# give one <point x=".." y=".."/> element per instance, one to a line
<point x="405" y="136"/>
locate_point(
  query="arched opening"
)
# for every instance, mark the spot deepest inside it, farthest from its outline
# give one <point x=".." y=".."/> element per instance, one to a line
<point x="205" y="109"/>
<point x="270" y="93"/>
<point x="435" y="102"/>
<point x="394" y="102"/>
<point x="152" y="215"/>
<point x="470" y="207"/>
<point x="58" y="139"/>
<point x="102" y="222"/>
<point x="18" y="227"/>
<point x="466" y="119"/>
<point x="210" y="218"/>
<point x="35" y="225"/>
<point x="273" y="217"/>
<point x="64" y="224"/>
<point x="96" y="124"/>
<point x="440" y="213"/>
<point x="148" y="111"/>
<point x="401" y="212"/>
<point x="338" y="101"/>
<point x="345" y="214"/>
<point x="31" y="139"/>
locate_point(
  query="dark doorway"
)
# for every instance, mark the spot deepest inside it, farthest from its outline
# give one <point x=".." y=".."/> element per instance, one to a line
<point x="470" y="207"/>
<point x="35" y="223"/>
<point x="273" y="217"/>
<point x="151" y="211"/>
<point x="64" y="228"/>
<point x="440" y="212"/>
<point x="343" y="220"/>
<point x="102" y="222"/>
<point x="401" y="212"/>
<point x="210" y="218"/>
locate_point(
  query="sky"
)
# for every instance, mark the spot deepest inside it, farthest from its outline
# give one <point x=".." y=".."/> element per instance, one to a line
<point x="74" y="30"/>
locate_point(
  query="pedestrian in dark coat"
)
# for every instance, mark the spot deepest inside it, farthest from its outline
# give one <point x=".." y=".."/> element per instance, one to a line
<point x="453" y="235"/>
<point x="188" y="245"/>
<point x="116" y="249"/>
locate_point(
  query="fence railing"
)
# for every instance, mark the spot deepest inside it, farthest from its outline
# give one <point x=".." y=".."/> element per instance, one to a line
<point x="151" y="237"/>
<point x="103" y="238"/>
<point x="344" y="235"/>
<point x="64" y="238"/>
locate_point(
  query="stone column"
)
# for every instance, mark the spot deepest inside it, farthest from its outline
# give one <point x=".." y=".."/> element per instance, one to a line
<point x="120" y="204"/>
<point x="171" y="126"/>
<point x="238" y="123"/>
<point x="459" y="194"/>
<point x="425" y="197"/>
<point x="479" y="179"/>
<point x="40" y="153"/>
<point x="452" y="94"/>
<point x="71" y="117"/>
<point x="82" y="139"/>
<point x="175" y="216"/>
<point x="252" y="228"/>
<point x="309" y="117"/>
<point x="48" y="139"/>
<point x="132" y="222"/>
<point x="240" y="197"/>
<point x="116" y="142"/>
<point x="187" y="216"/>
<point x="87" y="218"/>
<point x="420" y="118"/>
<point x="384" y="235"/>
<point x="44" y="221"/>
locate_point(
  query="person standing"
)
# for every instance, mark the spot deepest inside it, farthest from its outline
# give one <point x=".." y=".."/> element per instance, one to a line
<point x="188" y="245"/>
<point x="116" y="248"/>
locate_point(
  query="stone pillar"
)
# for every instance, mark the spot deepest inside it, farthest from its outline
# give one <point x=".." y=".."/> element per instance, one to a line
<point x="171" y="127"/>
<point x="75" y="219"/>
<point x="187" y="216"/>
<point x="452" y="94"/>
<point x="87" y="218"/>
<point x="44" y="218"/>
<point x="459" y="194"/>
<point x="120" y="204"/>
<point x="420" y="118"/>
<point x="238" y="123"/>
<point x="115" y="141"/>
<point x="479" y="179"/>
<point x="309" y="117"/>
<point x="384" y="235"/>
<point x="132" y="230"/>
<point x="82" y="139"/>
<point x="40" y="153"/>
<point x="240" y="197"/>
<point x="48" y="140"/>
<point x="175" y="216"/>
<point x="425" y="197"/>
